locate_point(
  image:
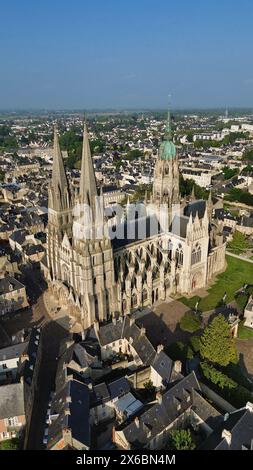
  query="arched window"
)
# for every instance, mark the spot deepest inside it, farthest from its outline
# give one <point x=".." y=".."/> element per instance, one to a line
<point x="134" y="300"/>
<point x="179" y="255"/>
<point x="144" y="295"/>
<point x="196" y="255"/>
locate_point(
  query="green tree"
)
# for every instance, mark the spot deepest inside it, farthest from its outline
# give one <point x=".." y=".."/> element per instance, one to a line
<point x="10" y="444"/>
<point x="229" y="172"/>
<point x="195" y="343"/>
<point x="217" y="345"/>
<point x="134" y="154"/>
<point x="248" y="155"/>
<point x="181" y="439"/>
<point x="239" y="243"/>
<point x="190" y="322"/>
<point x="149" y="386"/>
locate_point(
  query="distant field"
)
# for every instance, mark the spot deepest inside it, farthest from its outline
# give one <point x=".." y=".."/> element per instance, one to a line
<point x="238" y="272"/>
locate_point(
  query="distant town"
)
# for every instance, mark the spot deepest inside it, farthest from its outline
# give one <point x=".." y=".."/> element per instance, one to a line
<point x="125" y="343"/>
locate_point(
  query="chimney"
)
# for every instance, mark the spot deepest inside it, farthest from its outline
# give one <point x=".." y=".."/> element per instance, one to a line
<point x="90" y="386"/>
<point x="114" y="320"/>
<point x="69" y="343"/>
<point x="159" y="398"/>
<point x="159" y="348"/>
<point x="137" y="421"/>
<point x="227" y="435"/>
<point x="96" y="327"/>
<point x="249" y="406"/>
<point x="143" y="331"/>
<point x="178" y="367"/>
<point x="83" y="335"/>
<point x="132" y="321"/>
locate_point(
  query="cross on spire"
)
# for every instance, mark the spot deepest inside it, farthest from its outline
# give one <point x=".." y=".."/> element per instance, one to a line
<point x="168" y="132"/>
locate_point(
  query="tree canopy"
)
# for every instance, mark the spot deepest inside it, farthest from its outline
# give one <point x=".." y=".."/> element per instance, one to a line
<point x="181" y="439"/>
<point x="239" y="243"/>
<point x="248" y="155"/>
<point x="217" y="345"/>
<point x="190" y="322"/>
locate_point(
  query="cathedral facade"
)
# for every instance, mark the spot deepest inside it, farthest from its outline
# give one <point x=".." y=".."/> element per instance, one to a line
<point x="98" y="275"/>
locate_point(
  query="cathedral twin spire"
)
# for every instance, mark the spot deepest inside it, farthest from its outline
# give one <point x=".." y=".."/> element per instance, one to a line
<point x="88" y="187"/>
<point x="59" y="182"/>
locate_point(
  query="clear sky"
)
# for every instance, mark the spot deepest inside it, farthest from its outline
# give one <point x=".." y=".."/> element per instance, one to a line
<point x="125" y="53"/>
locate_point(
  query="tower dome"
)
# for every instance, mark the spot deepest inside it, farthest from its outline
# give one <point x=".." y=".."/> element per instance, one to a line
<point x="167" y="149"/>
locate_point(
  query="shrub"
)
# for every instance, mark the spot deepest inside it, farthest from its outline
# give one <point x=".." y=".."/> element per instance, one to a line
<point x="195" y="343"/>
<point x="217" y="377"/>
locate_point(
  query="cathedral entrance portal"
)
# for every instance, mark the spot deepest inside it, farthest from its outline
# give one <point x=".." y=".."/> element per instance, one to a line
<point x="197" y="280"/>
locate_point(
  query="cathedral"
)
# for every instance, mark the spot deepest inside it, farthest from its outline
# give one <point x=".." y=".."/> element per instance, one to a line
<point x="97" y="275"/>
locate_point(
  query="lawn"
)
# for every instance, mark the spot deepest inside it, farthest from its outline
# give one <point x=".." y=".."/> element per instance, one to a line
<point x="237" y="274"/>
<point x="244" y="332"/>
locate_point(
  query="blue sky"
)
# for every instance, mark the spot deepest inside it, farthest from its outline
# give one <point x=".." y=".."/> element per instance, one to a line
<point x="125" y="53"/>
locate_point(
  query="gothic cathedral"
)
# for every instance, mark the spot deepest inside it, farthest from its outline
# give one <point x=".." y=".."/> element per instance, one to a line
<point x="98" y="276"/>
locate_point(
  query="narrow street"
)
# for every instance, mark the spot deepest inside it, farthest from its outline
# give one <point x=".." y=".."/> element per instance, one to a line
<point x="52" y="335"/>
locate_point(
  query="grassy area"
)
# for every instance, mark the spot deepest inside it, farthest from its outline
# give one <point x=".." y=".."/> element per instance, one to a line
<point x="238" y="273"/>
<point x="244" y="332"/>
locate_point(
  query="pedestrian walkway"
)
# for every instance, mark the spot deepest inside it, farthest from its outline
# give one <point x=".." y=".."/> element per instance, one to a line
<point x="239" y="257"/>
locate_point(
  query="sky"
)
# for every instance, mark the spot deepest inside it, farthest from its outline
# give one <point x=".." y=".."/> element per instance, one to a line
<point x="126" y="54"/>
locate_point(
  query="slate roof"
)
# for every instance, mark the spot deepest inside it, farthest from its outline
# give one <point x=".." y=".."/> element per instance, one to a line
<point x="9" y="284"/>
<point x="27" y="368"/>
<point x="104" y="392"/>
<point x="163" y="366"/>
<point x="118" y="387"/>
<point x="13" y="351"/>
<point x="124" y="329"/>
<point x="194" y="207"/>
<point x="12" y="400"/>
<point x="179" y="226"/>
<point x="71" y="405"/>
<point x="160" y="415"/>
<point x="240" y="425"/>
<point x="135" y="228"/>
<point x="205" y="410"/>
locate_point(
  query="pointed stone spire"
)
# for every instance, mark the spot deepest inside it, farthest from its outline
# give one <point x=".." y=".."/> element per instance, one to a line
<point x="196" y="220"/>
<point x="59" y="179"/>
<point x="58" y="192"/>
<point x="189" y="227"/>
<point x="88" y="188"/>
<point x="193" y="194"/>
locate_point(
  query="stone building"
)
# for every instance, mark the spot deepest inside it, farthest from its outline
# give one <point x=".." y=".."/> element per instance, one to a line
<point x="98" y="274"/>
